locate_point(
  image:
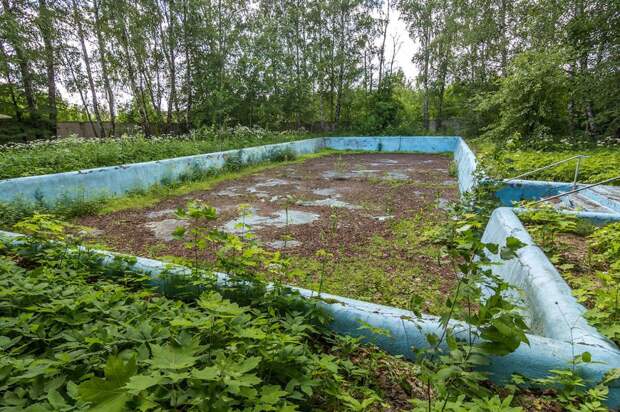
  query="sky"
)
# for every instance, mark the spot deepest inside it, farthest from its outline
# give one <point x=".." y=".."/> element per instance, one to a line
<point x="408" y="47"/>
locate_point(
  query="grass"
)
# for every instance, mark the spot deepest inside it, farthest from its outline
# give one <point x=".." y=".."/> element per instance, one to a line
<point x="61" y="155"/>
<point x="386" y="270"/>
<point x="603" y="163"/>
<point x="588" y="258"/>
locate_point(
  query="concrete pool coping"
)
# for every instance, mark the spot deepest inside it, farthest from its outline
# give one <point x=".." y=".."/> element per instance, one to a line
<point x="552" y="309"/>
<point x="555" y="348"/>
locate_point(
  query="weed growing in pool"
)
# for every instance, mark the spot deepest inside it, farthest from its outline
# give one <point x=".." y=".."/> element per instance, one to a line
<point x="74" y="337"/>
<point x="594" y="277"/>
<point x="282" y="155"/>
<point x="571" y="387"/>
<point x="198" y="236"/>
<point x="494" y="324"/>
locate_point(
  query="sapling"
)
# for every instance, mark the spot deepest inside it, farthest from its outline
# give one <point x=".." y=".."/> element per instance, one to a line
<point x="195" y="213"/>
<point x="289" y="200"/>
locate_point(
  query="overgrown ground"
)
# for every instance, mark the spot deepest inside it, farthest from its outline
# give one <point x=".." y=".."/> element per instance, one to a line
<point x="588" y="258"/>
<point x="62" y="155"/>
<point x="361" y="225"/>
<point x="602" y="163"/>
<point x="99" y="338"/>
<point x="79" y="336"/>
<point x="75" y="336"/>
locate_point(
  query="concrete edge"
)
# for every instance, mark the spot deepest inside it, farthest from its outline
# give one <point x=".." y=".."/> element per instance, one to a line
<point x="596" y="218"/>
<point x="552" y="309"/>
<point x="518" y="190"/>
<point x="118" y="180"/>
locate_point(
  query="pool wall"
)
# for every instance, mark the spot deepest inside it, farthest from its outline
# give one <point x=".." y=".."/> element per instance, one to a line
<point x="515" y="191"/>
<point x="119" y="180"/>
<point x="552" y="309"/>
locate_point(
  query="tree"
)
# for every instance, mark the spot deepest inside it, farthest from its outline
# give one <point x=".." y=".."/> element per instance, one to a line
<point x="532" y="101"/>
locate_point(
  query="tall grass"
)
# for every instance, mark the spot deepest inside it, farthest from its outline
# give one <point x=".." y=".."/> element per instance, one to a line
<point x="61" y="155"/>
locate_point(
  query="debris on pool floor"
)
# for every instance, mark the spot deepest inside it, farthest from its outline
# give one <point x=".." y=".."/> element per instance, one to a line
<point x="368" y="188"/>
<point x="339" y="203"/>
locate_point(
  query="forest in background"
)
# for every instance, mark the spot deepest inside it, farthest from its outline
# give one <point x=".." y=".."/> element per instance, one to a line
<point x="529" y="73"/>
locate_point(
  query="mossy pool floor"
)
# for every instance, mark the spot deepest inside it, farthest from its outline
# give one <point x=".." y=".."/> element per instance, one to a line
<point x="358" y="225"/>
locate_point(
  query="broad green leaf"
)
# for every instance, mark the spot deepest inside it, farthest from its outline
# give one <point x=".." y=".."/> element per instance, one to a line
<point x="109" y="395"/>
<point x="139" y="383"/>
<point x="55" y="399"/>
<point x="172" y="357"/>
<point x="271" y="394"/>
<point x="207" y="374"/>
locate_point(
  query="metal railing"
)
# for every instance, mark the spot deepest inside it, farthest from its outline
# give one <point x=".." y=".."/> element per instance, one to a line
<point x="549" y="166"/>
<point x="575" y="190"/>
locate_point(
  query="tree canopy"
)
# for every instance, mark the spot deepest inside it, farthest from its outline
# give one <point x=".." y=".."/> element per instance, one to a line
<point x="520" y="71"/>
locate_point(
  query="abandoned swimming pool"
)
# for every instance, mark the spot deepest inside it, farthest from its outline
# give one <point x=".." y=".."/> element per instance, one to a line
<point x="376" y="214"/>
<point x="552" y="346"/>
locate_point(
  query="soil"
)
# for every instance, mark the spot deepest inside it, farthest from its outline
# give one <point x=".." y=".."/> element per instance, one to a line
<point x="335" y="202"/>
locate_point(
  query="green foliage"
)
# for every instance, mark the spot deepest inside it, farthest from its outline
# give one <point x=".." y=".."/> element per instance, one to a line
<point x="381" y="111"/>
<point x="572" y="392"/>
<point x="360" y="272"/>
<point x="81" y="336"/>
<point x="74" y="154"/>
<point x="531" y="102"/>
<point x="595" y="277"/>
<point x="602" y="163"/>
<point x="494" y="324"/>
<point x="78" y="336"/>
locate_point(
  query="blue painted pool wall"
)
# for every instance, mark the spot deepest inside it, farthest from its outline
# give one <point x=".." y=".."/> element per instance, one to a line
<point x="466" y="166"/>
<point x="552" y="309"/>
<point x="518" y="190"/>
<point x="608" y="202"/>
<point x="118" y="180"/>
<point x="422" y="144"/>
<point x="463" y="156"/>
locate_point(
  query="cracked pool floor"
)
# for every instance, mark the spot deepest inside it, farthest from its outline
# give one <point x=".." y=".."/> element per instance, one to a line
<point x="342" y="202"/>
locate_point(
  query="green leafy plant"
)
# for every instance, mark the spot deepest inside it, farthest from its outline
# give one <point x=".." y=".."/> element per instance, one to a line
<point x="74" y="335"/>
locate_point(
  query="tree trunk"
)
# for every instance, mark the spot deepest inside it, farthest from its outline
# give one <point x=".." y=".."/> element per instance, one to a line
<point x="426" y="46"/>
<point x="18" y="112"/>
<point x="384" y="34"/>
<point x="170" y="57"/>
<point x="47" y="30"/>
<point x="24" y="68"/>
<point x="340" y="69"/>
<point x="188" y="68"/>
<point x="89" y="73"/>
<point x="80" y="91"/>
<point x="138" y="95"/>
<point x="503" y="29"/>
<point x="104" y="68"/>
